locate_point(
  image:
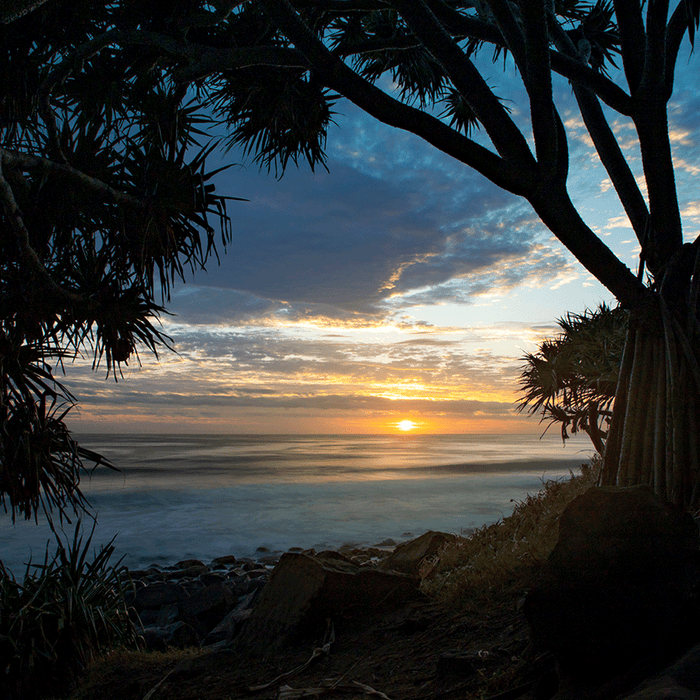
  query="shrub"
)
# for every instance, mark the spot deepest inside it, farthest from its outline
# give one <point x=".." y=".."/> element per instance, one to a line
<point x="64" y="612"/>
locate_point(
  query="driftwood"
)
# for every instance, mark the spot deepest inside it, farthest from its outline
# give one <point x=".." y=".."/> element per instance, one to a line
<point x="153" y="690"/>
<point x="317" y="653"/>
<point x="328" y="686"/>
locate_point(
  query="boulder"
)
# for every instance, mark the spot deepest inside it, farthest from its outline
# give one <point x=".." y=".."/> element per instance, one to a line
<point x="189" y="563"/>
<point x="156" y="595"/>
<point x="227" y="629"/>
<point x="618" y="594"/>
<point x="409" y="556"/>
<point x="228" y="560"/>
<point x="303" y="591"/>
<point x="204" y="609"/>
<point x="178" y="634"/>
<point x="681" y="681"/>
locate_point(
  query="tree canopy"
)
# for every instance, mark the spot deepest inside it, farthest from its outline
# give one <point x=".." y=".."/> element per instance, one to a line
<point x="106" y="202"/>
<point x="104" y="184"/>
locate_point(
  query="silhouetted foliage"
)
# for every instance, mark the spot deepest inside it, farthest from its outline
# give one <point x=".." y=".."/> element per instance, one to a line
<point x="106" y="201"/>
<point x="571" y="380"/>
<point x="66" y="611"/>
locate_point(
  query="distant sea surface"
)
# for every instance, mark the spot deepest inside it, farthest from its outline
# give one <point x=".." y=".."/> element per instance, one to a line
<point x="203" y="496"/>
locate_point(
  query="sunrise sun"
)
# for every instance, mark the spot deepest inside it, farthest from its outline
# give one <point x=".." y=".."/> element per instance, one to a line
<point x="406" y="425"/>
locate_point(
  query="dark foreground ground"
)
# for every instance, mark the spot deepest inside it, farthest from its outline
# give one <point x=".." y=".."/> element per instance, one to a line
<point x="421" y="650"/>
<point x="476" y="647"/>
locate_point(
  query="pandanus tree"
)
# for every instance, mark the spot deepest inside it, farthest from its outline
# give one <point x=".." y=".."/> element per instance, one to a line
<point x="571" y="379"/>
<point x="96" y="134"/>
<point x="104" y="202"/>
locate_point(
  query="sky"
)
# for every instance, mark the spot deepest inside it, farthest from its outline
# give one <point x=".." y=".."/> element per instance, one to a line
<point x="398" y="290"/>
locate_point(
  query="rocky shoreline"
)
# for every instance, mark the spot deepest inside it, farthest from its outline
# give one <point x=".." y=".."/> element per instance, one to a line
<point x="597" y="622"/>
<point x="192" y="603"/>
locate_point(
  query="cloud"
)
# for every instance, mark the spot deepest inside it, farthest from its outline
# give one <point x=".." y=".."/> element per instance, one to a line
<point x="392" y="216"/>
<point x="396" y="368"/>
<point x="336" y="238"/>
<point x="319" y="306"/>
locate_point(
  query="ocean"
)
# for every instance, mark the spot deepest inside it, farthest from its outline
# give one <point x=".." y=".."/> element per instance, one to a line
<point x="202" y="496"/>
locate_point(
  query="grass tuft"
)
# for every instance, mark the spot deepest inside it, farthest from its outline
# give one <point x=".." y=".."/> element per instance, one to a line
<point x="65" y="612"/>
<point x="501" y="559"/>
<point x="132" y="671"/>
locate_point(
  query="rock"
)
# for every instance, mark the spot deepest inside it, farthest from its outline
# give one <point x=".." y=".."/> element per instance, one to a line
<point x="157" y="594"/>
<point x="269" y="559"/>
<point x="211" y="577"/>
<point x="177" y="634"/>
<point x="228" y="560"/>
<point x="409" y="556"/>
<point x="189" y="572"/>
<point x="166" y="615"/>
<point x="206" y="608"/>
<point x="227" y="629"/>
<point x="148" y="618"/>
<point x="255" y="584"/>
<point x="188" y="563"/>
<point x="258" y="573"/>
<point x="303" y="591"/>
<point x="336" y="561"/>
<point x="332" y="554"/>
<point x="238" y="585"/>
<point x="681" y="680"/>
<point x="360" y="559"/>
<point x="618" y="594"/>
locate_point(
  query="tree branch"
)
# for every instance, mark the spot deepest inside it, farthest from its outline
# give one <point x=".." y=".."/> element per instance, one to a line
<point x="504" y="134"/>
<point x="651" y="120"/>
<point x="212" y="61"/>
<point x="82" y="53"/>
<point x="613" y="160"/>
<point x="211" y="19"/>
<point x="25" y="161"/>
<point x="632" y="40"/>
<point x="342" y="6"/>
<point x="512" y="33"/>
<point x="538" y="83"/>
<point x="611" y="93"/>
<point x="606" y="144"/>
<point x="608" y="91"/>
<point x="655" y="63"/>
<point x="339" y="77"/>
<point x="460" y="25"/>
<point x="675" y="31"/>
<point x="554" y="206"/>
<point x="28" y="254"/>
<point x="10" y="10"/>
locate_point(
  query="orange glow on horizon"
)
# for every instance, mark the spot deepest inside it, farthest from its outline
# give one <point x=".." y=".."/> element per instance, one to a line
<point x="406" y="425"/>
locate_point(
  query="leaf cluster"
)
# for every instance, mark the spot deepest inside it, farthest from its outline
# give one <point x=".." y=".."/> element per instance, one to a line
<point x="63" y="613"/>
<point x="278" y="109"/>
<point x="277" y="119"/>
<point x="106" y="202"/>
<point x="571" y="380"/>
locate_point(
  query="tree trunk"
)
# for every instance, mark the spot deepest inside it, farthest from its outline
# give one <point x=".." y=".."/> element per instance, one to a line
<point x="654" y="432"/>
